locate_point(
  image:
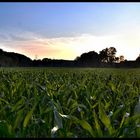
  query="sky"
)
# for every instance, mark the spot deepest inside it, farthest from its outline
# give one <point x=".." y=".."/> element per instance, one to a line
<point x="65" y="30"/>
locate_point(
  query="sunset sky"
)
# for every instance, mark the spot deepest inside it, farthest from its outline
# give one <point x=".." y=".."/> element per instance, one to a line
<point x="66" y="30"/>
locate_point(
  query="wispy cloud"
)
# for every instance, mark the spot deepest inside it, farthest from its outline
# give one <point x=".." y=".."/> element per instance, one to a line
<point x="31" y="44"/>
<point x="3" y="37"/>
<point x="18" y="38"/>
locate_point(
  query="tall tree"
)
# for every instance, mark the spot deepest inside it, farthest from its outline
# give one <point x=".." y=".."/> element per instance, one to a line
<point x="108" y="55"/>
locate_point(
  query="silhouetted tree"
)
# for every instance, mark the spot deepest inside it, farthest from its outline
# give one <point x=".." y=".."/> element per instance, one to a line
<point x="117" y="59"/>
<point x="1" y="50"/>
<point x="108" y="55"/>
<point x="46" y="59"/>
<point x="77" y="58"/>
<point x="138" y="58"/>
<point x="121" y="58"/>
<point x="89" y="58"/>
<point x="14" y="59"/>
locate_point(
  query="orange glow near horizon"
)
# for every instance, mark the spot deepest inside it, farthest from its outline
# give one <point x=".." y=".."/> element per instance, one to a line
<point x="70" y="47"/>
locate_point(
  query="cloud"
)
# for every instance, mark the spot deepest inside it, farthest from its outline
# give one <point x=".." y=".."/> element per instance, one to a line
<point x="3" y="37"/>
<point x="69" y="48"/>
<point x="18" y="38"/>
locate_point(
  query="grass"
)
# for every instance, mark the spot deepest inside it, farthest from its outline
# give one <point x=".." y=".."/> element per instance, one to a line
<point x="70" y="103"/>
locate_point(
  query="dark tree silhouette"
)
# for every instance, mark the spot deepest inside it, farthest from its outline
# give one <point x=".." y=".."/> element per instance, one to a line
<point x="77" y="58"/>
<point x="108" y="55"/>
<point x="138" y="58"/>
<point x="89" y="58"/>
<point x="1" y="52"/>
<point x="14" y="59"/>
<point x="121" y="58"/>
<point x="117" y="59"/>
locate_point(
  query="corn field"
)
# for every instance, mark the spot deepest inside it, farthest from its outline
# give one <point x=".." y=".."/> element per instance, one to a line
<point x="69" y="103"/>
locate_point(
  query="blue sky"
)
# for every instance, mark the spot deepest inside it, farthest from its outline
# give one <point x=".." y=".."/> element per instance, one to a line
<point x="65" y="30"/>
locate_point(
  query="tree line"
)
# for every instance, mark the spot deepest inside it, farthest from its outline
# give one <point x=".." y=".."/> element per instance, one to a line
<point x="106" y="58"/>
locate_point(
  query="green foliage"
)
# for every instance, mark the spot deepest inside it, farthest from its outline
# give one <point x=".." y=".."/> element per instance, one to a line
<point x="72" y="103"/>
